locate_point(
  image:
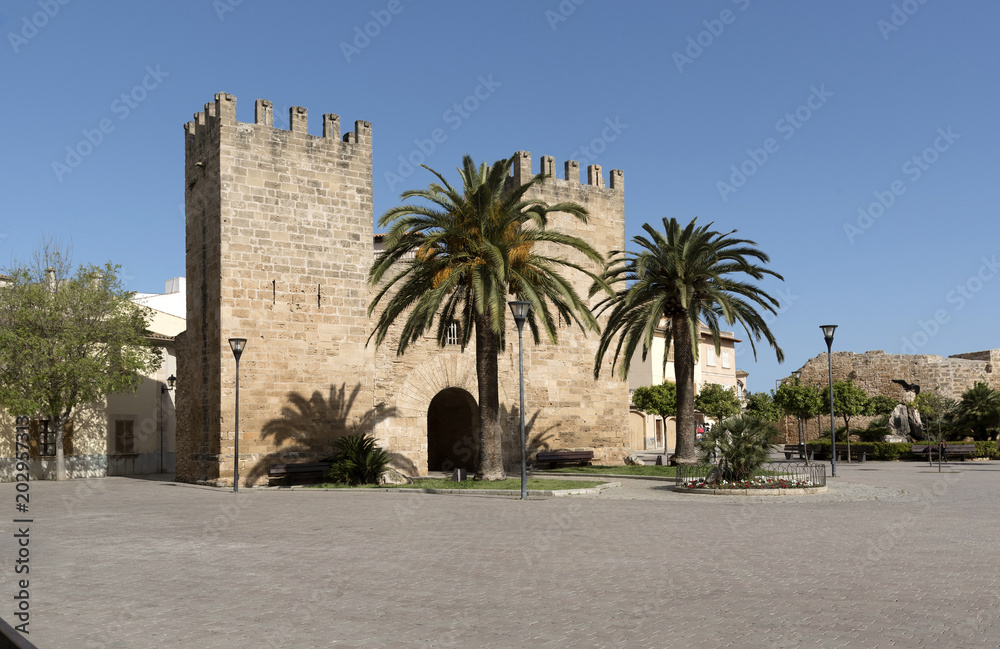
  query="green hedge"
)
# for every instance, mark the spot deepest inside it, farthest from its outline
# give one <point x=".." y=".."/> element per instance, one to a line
<point x="894" y="450"/>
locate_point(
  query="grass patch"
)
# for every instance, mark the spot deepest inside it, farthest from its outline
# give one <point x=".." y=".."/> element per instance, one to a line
<point x="509" y="483"/>
<point x="648" y="469"/>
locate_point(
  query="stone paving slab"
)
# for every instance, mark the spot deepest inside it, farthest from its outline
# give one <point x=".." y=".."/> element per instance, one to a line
<point x="892" y="556"/>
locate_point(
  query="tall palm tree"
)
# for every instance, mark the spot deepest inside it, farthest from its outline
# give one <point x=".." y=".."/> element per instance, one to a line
<point x="682" y="279"/>
<point x="460" y="256"/>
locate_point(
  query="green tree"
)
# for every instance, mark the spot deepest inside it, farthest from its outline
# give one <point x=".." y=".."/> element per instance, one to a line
<point x="460" y="255"/>
<point x="680" y="280"/>
<point x="742" y="443"/>
<point x="800" y="400"/>
<point x="880" y="405"/>
<point x="717" y="401"/>
<point x="979" y="410"/>
<point x="68" y="339"/>
<point x="934" y="409"/>
<point x="849" y="401"/>
<point x="762" y="406"/>
<point x="659" y="400"/>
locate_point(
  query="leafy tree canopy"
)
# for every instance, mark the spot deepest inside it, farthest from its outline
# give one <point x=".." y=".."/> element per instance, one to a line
<point x="717" y="401"/>
<point x="657" y="399"/>
<point x="880" y="405"/>
<point x="806" y="401"/>
<point x="68" y="339"/>
<point x="762" y="406"/>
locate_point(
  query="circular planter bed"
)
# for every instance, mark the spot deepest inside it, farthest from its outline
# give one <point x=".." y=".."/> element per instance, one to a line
<point x="756" y="487"/>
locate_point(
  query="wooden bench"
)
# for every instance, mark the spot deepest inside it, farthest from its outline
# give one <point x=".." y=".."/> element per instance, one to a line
<point x="826" y="452"/>
<point x="555" y="458"/>
<point x="303" y="471"/>
<point x="861" y="455"/>
<point x="790" y="450"/>
<point x="963" y="450"/>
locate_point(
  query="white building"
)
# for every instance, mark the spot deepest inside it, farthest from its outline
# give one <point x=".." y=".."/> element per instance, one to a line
<point x="649" y="432"/>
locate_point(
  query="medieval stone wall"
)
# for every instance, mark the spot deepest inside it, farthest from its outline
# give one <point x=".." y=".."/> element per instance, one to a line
<point x="279" y="243"/>
<point x="279" y="240"/>
<point x="875" y="371"/>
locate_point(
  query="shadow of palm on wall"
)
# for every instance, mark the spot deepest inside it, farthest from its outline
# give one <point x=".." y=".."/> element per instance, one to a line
<point x="308" y="428"/>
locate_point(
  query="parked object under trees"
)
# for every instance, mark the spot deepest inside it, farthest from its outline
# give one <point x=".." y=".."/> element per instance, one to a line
<point x="68" y="338"/>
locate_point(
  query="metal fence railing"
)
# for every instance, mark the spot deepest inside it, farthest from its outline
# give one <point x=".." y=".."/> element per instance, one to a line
<point x="770" y="475"/>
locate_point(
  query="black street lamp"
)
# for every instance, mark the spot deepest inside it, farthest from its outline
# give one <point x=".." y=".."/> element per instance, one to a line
<point x="828" y="335"/>
<point x="520" y="309"/>
<point x="237" y="344"/>
<point x="798" y="419"/>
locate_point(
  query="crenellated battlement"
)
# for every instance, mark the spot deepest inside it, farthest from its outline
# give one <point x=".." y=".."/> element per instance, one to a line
<point x="222" y="113"/>
<point x="521" y="172"/>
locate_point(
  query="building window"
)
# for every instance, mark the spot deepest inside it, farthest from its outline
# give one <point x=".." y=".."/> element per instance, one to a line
<point x="710" y="356"/>
<point x="725" y="360"/>
<point x="43" y="438"/>
<point x="453" y="337"/>
<point x="46" y="438"/>
<point x="124" y="436"/>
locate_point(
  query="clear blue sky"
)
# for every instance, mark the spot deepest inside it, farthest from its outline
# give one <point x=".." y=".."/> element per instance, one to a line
<point x="840" y="97"/>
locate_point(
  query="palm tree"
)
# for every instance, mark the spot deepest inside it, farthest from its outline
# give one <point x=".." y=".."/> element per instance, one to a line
<point x="460" y="257"/>
<point x="683" y="279"/>
<point x="979" y="409"/>
<point x="743" y="444"/>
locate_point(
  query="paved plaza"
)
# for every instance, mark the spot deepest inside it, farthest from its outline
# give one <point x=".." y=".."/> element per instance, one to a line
<point x="894" y="555"/>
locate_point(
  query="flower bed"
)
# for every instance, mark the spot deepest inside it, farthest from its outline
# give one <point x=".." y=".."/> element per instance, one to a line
<point x="759" y="482"/>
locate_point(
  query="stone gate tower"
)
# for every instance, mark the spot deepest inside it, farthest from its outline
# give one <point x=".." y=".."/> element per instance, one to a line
<point x="279" y="242"/>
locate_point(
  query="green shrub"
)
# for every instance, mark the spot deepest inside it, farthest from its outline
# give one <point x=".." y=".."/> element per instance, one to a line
<point x="359" y="460"/>
<point x="743" y="444"/>
<point x="873" y="434"/>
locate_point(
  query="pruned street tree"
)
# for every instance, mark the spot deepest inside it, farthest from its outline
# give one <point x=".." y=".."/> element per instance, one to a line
<point x="849" y="401"/>
<point x="68" y="338"/>
<point x="660" y="400"/>
<point x="717" y="401"/>
<point x="762" y="406"/>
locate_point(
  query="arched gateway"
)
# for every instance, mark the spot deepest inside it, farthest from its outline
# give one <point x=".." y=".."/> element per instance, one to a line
<point x="452" y="431"/>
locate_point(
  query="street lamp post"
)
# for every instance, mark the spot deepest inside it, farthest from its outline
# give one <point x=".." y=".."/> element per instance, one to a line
<point x="520" y="309"/>
<point x="798" y="419"/>
<point x="237" y="344"/>
<point x="828" y="336"/>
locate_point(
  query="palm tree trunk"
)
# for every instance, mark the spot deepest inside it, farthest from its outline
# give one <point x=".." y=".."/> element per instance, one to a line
<point x="684" y="373"/>
<point x="490" y="436"/>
